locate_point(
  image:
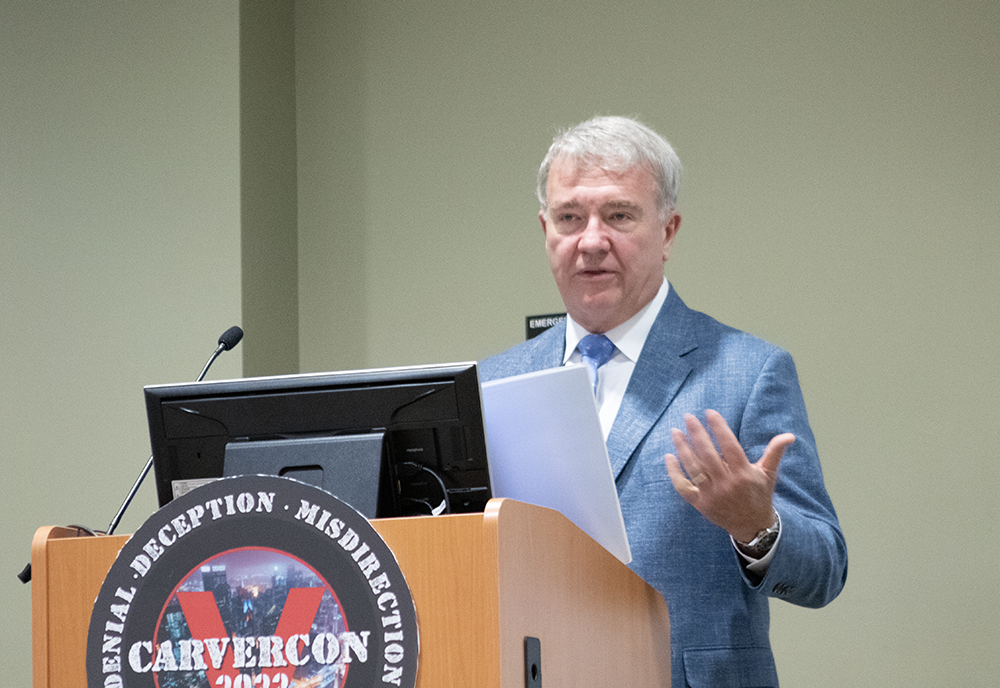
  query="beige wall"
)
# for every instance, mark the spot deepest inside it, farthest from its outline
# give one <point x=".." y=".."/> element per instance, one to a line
<point x="119" y="253"/>
<point x="268" y="188"/>
<point x="840" y="199"/>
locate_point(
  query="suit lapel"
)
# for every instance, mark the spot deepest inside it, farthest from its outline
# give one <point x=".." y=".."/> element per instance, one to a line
<point x="546" y="350"/>
<point x="658" y="376"/>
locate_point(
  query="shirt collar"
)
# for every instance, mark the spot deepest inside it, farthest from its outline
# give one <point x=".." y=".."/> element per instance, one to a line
<point x="630" y="336"/>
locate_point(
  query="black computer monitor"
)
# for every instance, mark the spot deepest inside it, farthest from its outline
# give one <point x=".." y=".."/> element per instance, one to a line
<point x="390" y="441"/>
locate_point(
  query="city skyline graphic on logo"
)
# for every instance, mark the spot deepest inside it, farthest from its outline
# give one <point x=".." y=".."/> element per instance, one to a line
<point x="252" y="617"/>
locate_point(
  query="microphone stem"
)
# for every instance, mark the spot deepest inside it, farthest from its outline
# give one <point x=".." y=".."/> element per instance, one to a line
<point x="131" y="495"/>
<point x="211" y="360"/>
<point x="149" y="463"/>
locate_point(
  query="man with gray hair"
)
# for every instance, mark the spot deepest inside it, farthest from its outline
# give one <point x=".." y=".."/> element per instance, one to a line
<point x="697" y="416"/>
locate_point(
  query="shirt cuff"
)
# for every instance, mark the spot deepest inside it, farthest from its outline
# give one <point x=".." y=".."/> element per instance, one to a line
<point x="759" y="566"/>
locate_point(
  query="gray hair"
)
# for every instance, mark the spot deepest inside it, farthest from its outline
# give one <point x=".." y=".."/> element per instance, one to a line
<point x="617" y="144"/>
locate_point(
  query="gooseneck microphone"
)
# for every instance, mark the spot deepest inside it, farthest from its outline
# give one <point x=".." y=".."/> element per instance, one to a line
<point x="227" y="341"/>
<point x="230" y="338"/>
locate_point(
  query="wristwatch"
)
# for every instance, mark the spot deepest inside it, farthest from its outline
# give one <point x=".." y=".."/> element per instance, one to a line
<point x="763" y="541"/>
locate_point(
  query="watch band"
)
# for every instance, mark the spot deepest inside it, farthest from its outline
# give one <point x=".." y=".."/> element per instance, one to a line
<point x="762" y="543"/>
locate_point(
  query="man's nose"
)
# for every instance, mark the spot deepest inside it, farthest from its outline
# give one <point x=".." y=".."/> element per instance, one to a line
<point x="594" y="236"/>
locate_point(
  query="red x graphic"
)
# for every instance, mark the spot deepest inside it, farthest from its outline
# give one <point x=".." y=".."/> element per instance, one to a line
<point x="203" y="618"/>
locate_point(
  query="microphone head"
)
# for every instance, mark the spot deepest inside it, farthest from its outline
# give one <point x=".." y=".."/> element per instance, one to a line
<point x="230" y="338"/>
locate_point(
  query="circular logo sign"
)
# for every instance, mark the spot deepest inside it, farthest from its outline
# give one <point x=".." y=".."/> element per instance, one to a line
<point x="254" y="582"/>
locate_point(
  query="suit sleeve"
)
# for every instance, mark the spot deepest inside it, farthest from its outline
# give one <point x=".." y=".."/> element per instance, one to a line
<point x="809" y="567"/>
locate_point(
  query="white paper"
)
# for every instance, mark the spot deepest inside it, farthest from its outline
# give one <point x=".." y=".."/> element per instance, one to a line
<point x="546" y="448"/>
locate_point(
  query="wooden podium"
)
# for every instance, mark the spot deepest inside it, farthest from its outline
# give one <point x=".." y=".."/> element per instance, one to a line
<point x="481" y="583"/>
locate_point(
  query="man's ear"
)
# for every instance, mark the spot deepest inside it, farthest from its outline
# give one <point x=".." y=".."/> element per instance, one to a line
<point x="541" y="218"/>
<point x="670" y="233"/>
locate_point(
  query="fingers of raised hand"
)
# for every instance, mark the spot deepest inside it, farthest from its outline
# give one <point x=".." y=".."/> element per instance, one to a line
<point x="774" y="451"/>
<point x="729" y="446"/>
<point x="683" y="486"/>
<point x="689" y="456"/>
<point x="699" y="440"/>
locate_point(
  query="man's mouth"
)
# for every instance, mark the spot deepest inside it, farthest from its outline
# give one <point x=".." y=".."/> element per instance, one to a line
<point x="594" y="272"/>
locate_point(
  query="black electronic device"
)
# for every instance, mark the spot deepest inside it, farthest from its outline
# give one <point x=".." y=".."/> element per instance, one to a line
<point x="389" y="441"/>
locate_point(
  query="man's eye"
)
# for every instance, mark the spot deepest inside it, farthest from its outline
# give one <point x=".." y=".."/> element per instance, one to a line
<point x="567" y="221"/>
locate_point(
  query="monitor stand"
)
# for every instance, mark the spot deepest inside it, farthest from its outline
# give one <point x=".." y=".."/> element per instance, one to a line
<point x="347" y="466"/>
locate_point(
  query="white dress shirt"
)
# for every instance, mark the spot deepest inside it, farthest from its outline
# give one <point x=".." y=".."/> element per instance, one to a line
<point x="613" y="377"/>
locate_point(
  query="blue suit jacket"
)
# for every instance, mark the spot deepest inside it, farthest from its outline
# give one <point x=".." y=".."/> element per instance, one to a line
<point x="719" y="615"/>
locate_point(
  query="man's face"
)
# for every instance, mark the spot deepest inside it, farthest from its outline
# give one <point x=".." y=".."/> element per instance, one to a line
<point x="605" y="241"/>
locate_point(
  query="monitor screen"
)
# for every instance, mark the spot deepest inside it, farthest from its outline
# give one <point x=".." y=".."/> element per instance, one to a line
<point x="390" y="441"/>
